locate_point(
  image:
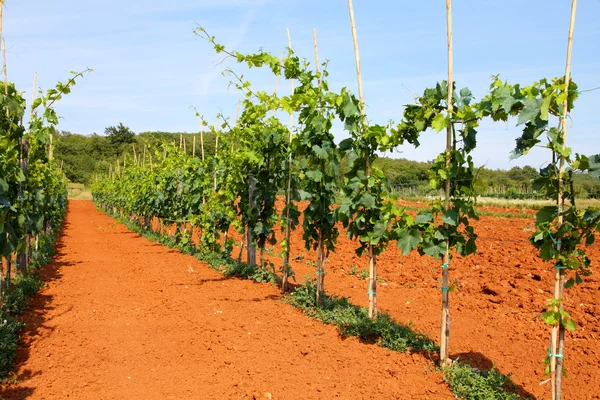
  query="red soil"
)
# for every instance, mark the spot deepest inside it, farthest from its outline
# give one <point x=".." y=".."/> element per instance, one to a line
<point x="125" y="318"/>
<point x="495" y="311"/>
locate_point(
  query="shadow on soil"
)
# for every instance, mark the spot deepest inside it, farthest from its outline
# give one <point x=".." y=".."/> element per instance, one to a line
<point x="36" y="320"/>
<point x="483" y="363"/>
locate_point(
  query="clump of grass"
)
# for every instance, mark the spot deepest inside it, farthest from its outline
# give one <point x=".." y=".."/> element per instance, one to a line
<point x="15" y="301"/>
<point x="471" y="384"/>
<point x="354" y="321"/>
<point x="230" y="267"/>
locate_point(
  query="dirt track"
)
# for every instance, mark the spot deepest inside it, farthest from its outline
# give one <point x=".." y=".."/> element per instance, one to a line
<point x="124" y="318"/>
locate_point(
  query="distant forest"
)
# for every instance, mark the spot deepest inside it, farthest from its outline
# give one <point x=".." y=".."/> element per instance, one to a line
<point x="85" y="156"/>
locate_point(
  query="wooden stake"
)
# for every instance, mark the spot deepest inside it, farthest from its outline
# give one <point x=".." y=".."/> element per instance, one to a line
<point x="134" y="154"/>
<point x="184" y="146"/>
<point x="33" y="93"/>
<point x="216" y="152"/>
<point x="320" y="244"/>
<point x="202" y="138"/>
<point x="556" y="364"/>
<point x="194" y="146"/>
<point x="288" y="196"/>
<point x="445" y="326"/>
<point x="251" y="248"/>
<point x="4" y="69"/>
<point x="316" y="54"/>
<point x="372" y="291"/>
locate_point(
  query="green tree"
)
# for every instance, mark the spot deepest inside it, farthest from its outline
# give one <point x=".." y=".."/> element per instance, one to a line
<point x="119" y="135"/>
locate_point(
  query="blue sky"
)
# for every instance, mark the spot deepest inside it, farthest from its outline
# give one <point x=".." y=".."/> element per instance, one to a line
<point x="150" y="68"/>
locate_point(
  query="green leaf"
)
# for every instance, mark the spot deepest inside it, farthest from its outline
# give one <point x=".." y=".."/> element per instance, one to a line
<point x="450" y="217"/>
<point x="350" y="109"/>
<point x="423" y="218"/>
<point x="439" y="123"/>
<point x="545" y="107"/>
<point x="407" y="240"/>
<point x="503" y="98"/>
<point x="434" y="250"/>
<point x="570" y="283"/>
<point x="379" y="230"/>
<point x="546" y="214"/>
<point x="320" y="152"/>
<point x="551" y="317"/>
<point x="315" y="175"/>
<point x="530" y="111"/>
<point x="578" y="279"/>
<point x="570" y="325"/>
<point x="367" y="200"/>
<point x="346" y="144"/>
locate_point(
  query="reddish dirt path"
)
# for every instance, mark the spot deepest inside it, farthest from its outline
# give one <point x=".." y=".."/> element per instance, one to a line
<point x="495" y="311"/>
<point x="124" y="318"/>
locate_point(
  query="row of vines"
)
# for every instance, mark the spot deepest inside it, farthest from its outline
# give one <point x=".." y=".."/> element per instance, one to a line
<point x="33" y="193"/>
<point x="259" y="157"/>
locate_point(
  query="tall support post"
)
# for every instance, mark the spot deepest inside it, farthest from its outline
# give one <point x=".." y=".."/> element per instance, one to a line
<point x="372" y="291"/>
<point x="251" y="248"/>
<point x="445" y="323"/>
<point x="557" y="343"/>
<point x="288" y="196"/>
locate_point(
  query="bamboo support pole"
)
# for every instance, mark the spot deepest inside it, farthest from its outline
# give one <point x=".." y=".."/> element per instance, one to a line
<point x="558" y="331"/>
<point x="217" y="131"/>
<point x="445" y="323"/>
<point x="372" y="291"/>
<point x="33" y="93"/>
<point x="316" y="54"/>
<point x="4" y="70"/>
<point x="193" y="146"/>
<point x="202" y="138"/>
<point x="320" y="243"/>
<point x="288" y="196"/>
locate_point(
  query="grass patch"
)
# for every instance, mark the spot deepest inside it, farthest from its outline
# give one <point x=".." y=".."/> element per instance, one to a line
<point x="470" y="384"/>
<point x="352" y="320"/>
<point x="78" y="191"/>
<point x="16" y="299"/>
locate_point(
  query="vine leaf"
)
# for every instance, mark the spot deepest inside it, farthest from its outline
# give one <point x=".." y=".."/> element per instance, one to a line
<point x="546" y="214"/>
<point x="439" y="123"/>
<point x="450" y="217"/>
<point x="530" y="111"/>
<point x="408" y="241"/>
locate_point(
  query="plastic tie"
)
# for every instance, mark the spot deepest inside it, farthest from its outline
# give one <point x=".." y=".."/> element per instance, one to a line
<point x="444" y="266"/>
<point x="556" y="242"/>
<point x="371" y="292"/>
<point x="320" y="272"/>
<point x="559" y="267"/>
<point x="554" y="355"/>
<point x="286" y="263"/>
<point x="444" y="288"/>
